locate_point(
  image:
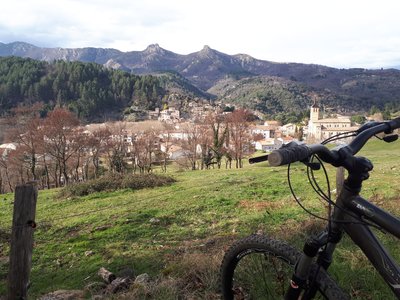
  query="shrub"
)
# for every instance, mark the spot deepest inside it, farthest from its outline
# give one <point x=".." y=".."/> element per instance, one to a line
<point x="145" y="181"/>
<point x="112" y="182"/>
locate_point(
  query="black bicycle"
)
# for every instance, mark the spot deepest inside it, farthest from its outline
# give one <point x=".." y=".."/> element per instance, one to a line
<point x="258" y="267"/>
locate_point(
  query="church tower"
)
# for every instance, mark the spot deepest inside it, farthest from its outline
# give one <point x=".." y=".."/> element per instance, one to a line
<point x="314" y="112"/>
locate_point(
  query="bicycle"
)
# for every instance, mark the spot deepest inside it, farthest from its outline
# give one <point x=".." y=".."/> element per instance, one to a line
<point x="258" y="267"/>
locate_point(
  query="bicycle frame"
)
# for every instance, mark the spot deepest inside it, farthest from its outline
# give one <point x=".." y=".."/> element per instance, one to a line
<point x="364" y="238"/>
<point x="348" y="216"/>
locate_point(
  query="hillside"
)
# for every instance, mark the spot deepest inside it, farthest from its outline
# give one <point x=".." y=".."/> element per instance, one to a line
<point x="178" y="234"/>
<point x="276" y="95"/>
<point x="92" y="91"/>
<point x="349" y="89"/>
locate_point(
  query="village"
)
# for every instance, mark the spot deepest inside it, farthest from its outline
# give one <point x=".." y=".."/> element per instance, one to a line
<point x="64" y="152"/>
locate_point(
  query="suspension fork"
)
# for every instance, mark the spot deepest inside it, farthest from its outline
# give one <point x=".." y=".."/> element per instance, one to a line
<point x="321" y="246"/>
<point x="329" y="238"/>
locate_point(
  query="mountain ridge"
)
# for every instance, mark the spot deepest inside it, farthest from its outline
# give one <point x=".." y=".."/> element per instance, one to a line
<point x="207" y="68"/>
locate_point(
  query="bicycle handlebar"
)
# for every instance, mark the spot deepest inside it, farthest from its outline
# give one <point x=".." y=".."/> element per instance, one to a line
<point x="293" y="153"/>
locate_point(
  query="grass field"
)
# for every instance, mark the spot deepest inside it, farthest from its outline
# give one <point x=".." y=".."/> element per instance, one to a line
<point x="178" y="233"/>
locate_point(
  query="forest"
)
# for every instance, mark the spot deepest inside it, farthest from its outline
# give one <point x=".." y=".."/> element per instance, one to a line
<point x="90" y="90"/>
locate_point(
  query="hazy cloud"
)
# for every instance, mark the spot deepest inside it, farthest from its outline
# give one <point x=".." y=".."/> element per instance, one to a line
<point x="338" y="33"/>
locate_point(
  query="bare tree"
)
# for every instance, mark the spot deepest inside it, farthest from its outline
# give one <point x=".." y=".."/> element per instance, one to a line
<point x="4" y="172"/>
<point x="167" y="142"/>
<point x="116" y="148"/>
<point x="26" y="132"/>
<point x="190" y="143"/>
<point x="98" y="143"/>
<point x="145" y="148"/>
<point x="205" y="141"/>
<point x="61" y="137"/>
<point x="239" y="135"/>
<point x="219" y="132"/>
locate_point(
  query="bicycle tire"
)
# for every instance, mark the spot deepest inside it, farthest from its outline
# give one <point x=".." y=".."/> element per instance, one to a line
<point x="237" y="275"/>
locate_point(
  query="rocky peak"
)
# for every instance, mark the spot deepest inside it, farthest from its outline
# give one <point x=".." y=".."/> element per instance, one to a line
<point x="207" y="52"/>
<point x="154" y="49"/>
<point x="206" y="49"/>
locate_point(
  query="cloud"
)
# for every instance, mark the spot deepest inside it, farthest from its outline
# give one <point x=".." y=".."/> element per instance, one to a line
<point x="337" y="33"/>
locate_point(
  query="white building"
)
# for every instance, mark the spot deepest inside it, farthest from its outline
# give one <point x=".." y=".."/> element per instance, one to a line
<point x="320" y="128"/>
<point x="266" y="130"/>
<point x="288" y="129"/>
<point x="271" y="144"/>
<point x="169" y="115"/>
<point x="6" y="148"/>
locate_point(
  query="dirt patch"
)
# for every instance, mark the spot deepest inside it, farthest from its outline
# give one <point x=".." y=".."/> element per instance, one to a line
<point x="260" y="205"/>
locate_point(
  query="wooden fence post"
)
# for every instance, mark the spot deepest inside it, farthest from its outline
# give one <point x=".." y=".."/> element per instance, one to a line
<point x="339" y="180"/>
<point x="22" y="241"/>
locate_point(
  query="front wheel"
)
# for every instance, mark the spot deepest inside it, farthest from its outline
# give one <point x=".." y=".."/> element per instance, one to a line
<point x="258" y="267"/>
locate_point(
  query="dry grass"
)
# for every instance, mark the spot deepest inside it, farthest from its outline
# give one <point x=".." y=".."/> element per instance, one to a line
<point x="191" y="272"/>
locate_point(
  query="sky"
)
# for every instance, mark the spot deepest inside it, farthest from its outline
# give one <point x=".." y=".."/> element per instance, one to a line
<point x="336" y="33"/>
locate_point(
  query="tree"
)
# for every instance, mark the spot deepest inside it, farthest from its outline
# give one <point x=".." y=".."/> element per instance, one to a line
<point x="205" y="140"/>
<point x="219" y="133"/>
<point x="27" y="133"/>
<point x="189" y="145"/>
<point x="167" y="142"/>
<point x="239" y="135"/>
<point x="116" y="148"/>
<point x="359" y="119"/>
<point x="5" y="172"/>
<point x="98" y="143"/>
<point x="61" y="139"/>
<point x="146" y="147"/>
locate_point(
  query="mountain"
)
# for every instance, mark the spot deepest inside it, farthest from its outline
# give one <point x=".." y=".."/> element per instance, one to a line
<point x="21" y="49"/>
<point x="208" y="69"/>
<point x="91" y="90"/>
<point x="203" y="68"/>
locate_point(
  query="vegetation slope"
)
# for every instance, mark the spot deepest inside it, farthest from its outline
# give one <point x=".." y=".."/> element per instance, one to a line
<point x="178" y="233"/>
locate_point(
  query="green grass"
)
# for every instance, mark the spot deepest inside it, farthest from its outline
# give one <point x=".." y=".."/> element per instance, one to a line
<point x="167" y="231"/>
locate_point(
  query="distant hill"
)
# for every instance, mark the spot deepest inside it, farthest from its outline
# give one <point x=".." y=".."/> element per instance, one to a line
<point x="92" y="91"/>
<point x="208" y="69"/>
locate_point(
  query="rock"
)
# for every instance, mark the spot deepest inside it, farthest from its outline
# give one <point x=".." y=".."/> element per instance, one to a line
<point x="154" y="221"/>
<point x="89" y="253"/>
<point x="106" y="275"/>
<point x="126" y="272"/>
<point x="118" y="284"/>
<point x="142" y="279"/>
<point x="95" y="287"/>
<point x="64" y="295"/>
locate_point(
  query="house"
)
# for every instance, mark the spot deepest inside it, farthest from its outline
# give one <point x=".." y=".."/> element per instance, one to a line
<point x="6" y="148"/>
<point x="153" y="115"/>
<point x="265" y="130"/>
<point x="174" y="151"/>
<point x="170" y="115"/>
<point x="288" y="129"/>
<point x="268" y="144"/>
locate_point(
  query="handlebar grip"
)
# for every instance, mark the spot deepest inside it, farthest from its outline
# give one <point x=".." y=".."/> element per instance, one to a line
<point x="258" y="159"/>
<point x="287" y="155"/>
<point x="395" y="123"/>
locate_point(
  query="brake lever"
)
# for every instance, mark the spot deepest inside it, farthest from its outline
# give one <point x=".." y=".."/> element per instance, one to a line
<point x="390" y="138"/>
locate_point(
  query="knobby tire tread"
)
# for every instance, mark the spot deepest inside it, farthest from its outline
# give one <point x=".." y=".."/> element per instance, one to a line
<point x="327" y="286"/>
